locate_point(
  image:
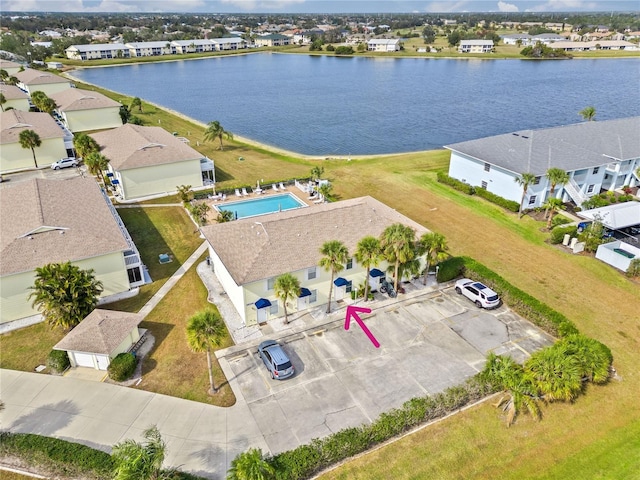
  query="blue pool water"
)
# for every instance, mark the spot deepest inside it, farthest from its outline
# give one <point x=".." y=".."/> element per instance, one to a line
<point x="261" y="206"/>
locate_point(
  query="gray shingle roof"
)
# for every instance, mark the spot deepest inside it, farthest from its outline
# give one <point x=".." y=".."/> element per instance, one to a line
<point x="571" y="147"/>
<point x="100" y="332"/>
<point x="257" y="248"/>
<point x="134" y="146"/>
<point x="45" y="221"/>
<point x="12" y="122"/>
<point x="36" y="77"/>
<point x="73" y="99"/>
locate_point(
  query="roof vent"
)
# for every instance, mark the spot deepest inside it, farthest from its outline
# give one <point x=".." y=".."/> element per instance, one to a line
<point x="61" y="232"/>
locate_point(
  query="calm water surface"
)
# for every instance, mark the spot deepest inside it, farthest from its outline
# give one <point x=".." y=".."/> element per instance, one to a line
<point x="319" y="105"/>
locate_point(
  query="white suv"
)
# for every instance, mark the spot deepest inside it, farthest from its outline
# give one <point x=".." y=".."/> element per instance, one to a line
<point x="64" y="163"/>
<point x="478" y="293"/>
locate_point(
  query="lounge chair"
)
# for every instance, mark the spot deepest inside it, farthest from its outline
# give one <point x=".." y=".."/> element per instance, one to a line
<point x="275" y="187"/>
<point x="320" y="200"/>
<point x="244" y="192"/>
<point x="313" y="196"/>
<point x="282" y="187"/>
<point x="238" y="193"/>
<point x="223" y="197"/>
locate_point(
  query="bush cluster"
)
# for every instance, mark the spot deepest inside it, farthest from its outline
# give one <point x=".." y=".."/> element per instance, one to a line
<point x="481" y="192"/>
<point x="604" y="199"/>
<point x="558" y="233"/>
<point x="58" y="361"/>
<point x="122" y="367"/>
<point x="449" y="269"/>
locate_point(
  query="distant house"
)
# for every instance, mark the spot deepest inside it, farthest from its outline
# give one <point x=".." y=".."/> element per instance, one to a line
<point x="596" y="45"/>
<point x="149" y="161"/>
<point x="54" y="140"/>
<point x="596" y="155"/>
<point x="60" y="221"/>
<point x="272" y="40"/>
<point x="228" y="43"/>
<point x="247" y="256"/>
<point x="523" y="39"/>
<point x="383" y="45"/>
<point x="83" y="110"/>
<point x="54" y="65"/>
<point x="150" y="49"/>
<point x="475" y="46"/>
<point x="31" y="80"/>
<point x="97" y="51"/>
<point x="10" y="67"/>
<point x="192" y="46"/>
<point x="547" y="38"/>
<point x="100" y="337"/>
<point x="15" y="98"/>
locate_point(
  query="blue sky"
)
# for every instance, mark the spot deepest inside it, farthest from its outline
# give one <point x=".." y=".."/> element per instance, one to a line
<point x="317" y="6"/>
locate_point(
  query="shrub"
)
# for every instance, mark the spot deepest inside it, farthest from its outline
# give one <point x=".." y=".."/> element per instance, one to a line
<point x="344" y="50"/>
<point x="634" y="268"/>
<point x="455" y="183"/>
<point x="558" y="233"/>
<point x="559" y="220"/>
<point x="122" y="367"/>
<point x="58" y="360"/>
<point x="330" y="48"/>
<point x="449" y="269"/>
<point x="498" y="200"/>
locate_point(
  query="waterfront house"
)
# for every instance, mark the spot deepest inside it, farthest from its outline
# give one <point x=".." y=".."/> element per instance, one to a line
<point x="55" y="221"/>
<point x="475" y="46"/>
<point x="30" y="80"/>
<point x="596" y="155"/>
<point x="383" y="45"/>
<point x="228" y="43"/>
<point x="97" y="51"/>
<point x="247" y="255"/>
<point x="10" y="67"/>
<point x="15" y="98"/>
<point x="149" y="49"/>
<point x="272" y="40"/>
<point x="83" y="110"/>
<point x="192" y="46"/>
<point x="56" y="143"/>
<point x="149" y="161"/>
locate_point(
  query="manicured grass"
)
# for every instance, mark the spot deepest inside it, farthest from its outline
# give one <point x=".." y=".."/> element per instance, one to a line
<point x="154" y="231"/>
<point x="171" y="368"/>
<point x="14" y="476"/>
<point x="29" y="347"/>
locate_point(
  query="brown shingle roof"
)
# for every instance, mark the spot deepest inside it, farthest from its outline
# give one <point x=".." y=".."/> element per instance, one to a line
<point x="46" y="221"/>
<point x="134" y="146"/>
<point x="100" y="332"/>
<point x="35" y="77"/>
<point x="12" y="122"/>
<point x="11" y="92"/>
<point x="263" y="247"/>
<point x="4" y="64"/>
<point x="77" y="99"/>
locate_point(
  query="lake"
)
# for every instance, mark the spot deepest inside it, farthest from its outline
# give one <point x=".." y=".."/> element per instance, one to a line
<point x="333" y="106"/>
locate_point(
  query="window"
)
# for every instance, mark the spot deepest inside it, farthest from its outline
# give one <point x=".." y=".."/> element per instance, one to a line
<point x="536" y="181"/>
<point x="349" y="265"/>
<point x="311" y="273"/>
<point x="596" y="170"/>
<point x="532" y="199"/>
<point x="134" y="275"/>
<point x="590" y="188"/>
<point x="273" y="309"/>
<point x="349" y="287"/>
<point x="270" y="283"/>
<point x="314" y="296"/>
<point x="484" y="185"/>
<point x="487" y="167"/>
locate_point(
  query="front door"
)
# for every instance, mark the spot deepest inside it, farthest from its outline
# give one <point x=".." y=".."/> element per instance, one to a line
<point x="262" y="314"/>
<point x="103" y="362"/>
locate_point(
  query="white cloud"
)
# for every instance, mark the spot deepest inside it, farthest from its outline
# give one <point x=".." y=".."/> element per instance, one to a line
<point x="564" y="6"/>
<point x="507" y="7"/>
<point x="436" y="7"/>
<point x="262" y="5"/>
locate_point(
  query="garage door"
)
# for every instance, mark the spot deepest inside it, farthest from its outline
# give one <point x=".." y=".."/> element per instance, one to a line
<point x="84" y="360"/>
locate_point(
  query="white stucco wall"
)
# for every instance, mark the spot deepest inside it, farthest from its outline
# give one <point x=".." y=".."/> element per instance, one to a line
<point x="140" y="182"/>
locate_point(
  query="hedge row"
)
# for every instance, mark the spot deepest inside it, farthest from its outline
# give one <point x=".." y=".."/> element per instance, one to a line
<point x="204" y="194"/>
<point x="307" y="460"/>
<point x="558" y="233"/>
<point x="481" y="192"/>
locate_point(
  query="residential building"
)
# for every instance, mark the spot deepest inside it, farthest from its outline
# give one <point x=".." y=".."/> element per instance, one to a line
<point x="596" y="45"/>
<point x="55" y="221"/>
<point x="147" y="161"/>
<point x="15" y="98"/>
<point x="228" y="43"/>
<point x="97" y="51"/>
<point x="31" y="80"/>
<point x="83" y="110"/>
<point x="56" y="143"/>
<point x="247" y="255"/>
<point x="475" y="46"/>
<point x="192" y="46"/>
<point x="272" y="40"/>
<point x="10" y="67"/>
<point x="596" y="155"/>
<point x="150" y="49"/>
<point x="383" y="45"/>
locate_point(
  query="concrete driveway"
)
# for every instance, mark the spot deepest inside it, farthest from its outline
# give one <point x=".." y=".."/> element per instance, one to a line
<point x="427" y="344"/>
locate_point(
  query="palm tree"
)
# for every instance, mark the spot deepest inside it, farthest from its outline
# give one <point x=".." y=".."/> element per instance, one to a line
<point x="397" y="242"/>
<point x="588" y="113"/>
<point x="556" y="176"/>
<point x="96" y="164"/>
<point x="205" y="331"/>
<point x="286" y="287"/>
<point x="136" y="102"/>
<point x="368" y="254"/>
<point x="335" y="256"/>
<point x="325" y="191"/>
<point x="3" y="100"/>
<point x="555" y="373"/>
<point x="593" y="357"/>
<point x="250" y="465"/>
<point x="84" y="145"/>
<point x="524" y="180"/>
<point x="224" y="216"/>
<point x="434" y="247"/>
<point x="4" y="75"/>
<point x="185" y="193"/>
<point x="141" y="461"/>
<point x="215" y="130"/>
<point x="316" y="172"/>
<point x="552" y="205"/>
<point x="37" y="98"/>
<point x="30" y="139"/>
<point x="65" y="294"/>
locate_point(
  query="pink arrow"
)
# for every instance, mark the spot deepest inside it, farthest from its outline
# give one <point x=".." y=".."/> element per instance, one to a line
<point x="352" y="311"/>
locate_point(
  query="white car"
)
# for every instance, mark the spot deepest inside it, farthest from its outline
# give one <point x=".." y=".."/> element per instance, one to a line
<point x="478" y="293"/>
<point x="64" y="163"/>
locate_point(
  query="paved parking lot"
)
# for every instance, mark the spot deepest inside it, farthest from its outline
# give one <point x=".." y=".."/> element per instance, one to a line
<point x="12" y="178"/>
<point x="428" y="343"/>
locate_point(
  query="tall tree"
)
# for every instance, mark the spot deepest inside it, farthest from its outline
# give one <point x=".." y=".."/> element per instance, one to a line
<point x="316" y="172"/>
<point x="84" y="145"/>
<point x="30" y="139"/>
<point x="142" y="461"/>
<point x="96" y="164"/>
<point x="205" y="331"/>
<point x="368" y="254"/>
<point x="398" y="242"/>
<point x="524" y="180"/>
<point x="136" y="102"/>
<point x="434" y="247"/>
<point x="250" y="465"/>
<point x="286" y="287"/>
<point x="588" y="113"/>
<point x="552" y="205"/>
<point x="556" y="177"/>
<point x="335" y="256"/>
<point x="65" y="294"/>
<point x="215" y="130"/>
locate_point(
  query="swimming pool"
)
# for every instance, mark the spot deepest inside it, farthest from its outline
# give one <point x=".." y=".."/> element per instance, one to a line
<point x="261" y="206"/>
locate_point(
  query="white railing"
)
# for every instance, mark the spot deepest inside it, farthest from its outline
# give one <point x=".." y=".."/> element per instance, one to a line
<point x="573" y="189"/>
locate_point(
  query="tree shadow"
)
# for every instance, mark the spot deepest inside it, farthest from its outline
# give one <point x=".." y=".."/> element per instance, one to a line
<point x="222" y="175"/>
<point x="160" y="332"/>
<point x="46" y="420"/>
